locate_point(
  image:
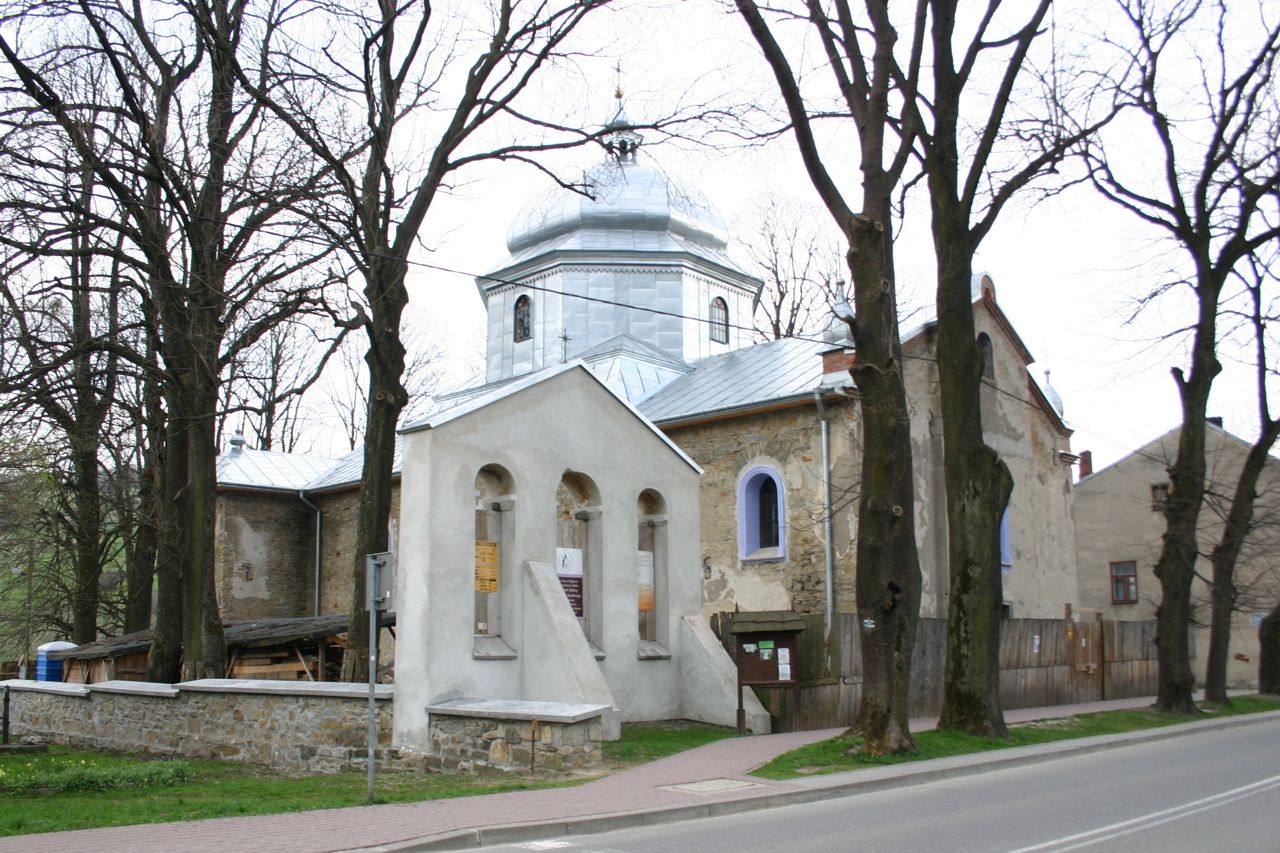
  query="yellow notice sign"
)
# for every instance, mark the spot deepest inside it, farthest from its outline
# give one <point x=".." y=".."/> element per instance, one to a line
<point x="486" y="566"/>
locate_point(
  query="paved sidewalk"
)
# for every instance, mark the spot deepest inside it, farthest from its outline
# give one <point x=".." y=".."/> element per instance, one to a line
<point x="713" y="777"/>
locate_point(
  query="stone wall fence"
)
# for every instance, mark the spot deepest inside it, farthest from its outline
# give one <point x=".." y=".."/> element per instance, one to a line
<point x="297" y="727"/>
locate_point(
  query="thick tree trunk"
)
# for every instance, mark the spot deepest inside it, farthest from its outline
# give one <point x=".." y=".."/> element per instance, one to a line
<point x="387" y="298"/>
<point x="205" y="651"/>
<point x="888" y="567"/>
<point x="164" y="664"/>
<point x="1269" y="653"/>
<point x="87" y="511"/>
<point x="1175" y="567"/>
<point x="978" y="483"/>
<point x="1222" y="605"/>
<point x="146" y="524"/>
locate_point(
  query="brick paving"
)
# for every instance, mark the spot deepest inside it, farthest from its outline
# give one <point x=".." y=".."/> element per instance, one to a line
<point x="640" y="789"/>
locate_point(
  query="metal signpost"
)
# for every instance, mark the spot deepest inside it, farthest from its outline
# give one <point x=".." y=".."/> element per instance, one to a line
<point x="379" y="583"/>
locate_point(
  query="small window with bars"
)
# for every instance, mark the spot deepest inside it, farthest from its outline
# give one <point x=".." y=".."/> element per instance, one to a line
<point x="1160" y="497"/>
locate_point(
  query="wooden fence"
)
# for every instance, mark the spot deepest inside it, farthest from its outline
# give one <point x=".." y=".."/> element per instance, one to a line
<point x="1042" y="662"/>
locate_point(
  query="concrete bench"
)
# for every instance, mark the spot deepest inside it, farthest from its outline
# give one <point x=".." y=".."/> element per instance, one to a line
<point x="514" y="734"/>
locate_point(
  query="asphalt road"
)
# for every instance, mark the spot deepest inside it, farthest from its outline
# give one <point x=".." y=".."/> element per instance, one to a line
<point x="1212" y="791"/>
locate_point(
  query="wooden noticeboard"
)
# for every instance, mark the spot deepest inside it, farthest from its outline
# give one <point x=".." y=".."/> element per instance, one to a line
<point x="767" y="658"/>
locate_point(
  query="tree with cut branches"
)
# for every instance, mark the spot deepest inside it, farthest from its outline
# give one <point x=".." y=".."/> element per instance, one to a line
<point x="859" y="53"/>
<point x="1198" y="84"/>
<point x="977" y="82"/>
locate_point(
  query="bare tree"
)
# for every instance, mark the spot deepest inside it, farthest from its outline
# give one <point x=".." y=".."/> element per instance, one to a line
<point x="799" y="260"/>
<point x="1210" y="137"/>
<point x="859" y="53"/>
<point x="205" y="197"/>
<point x="360" y="104"/>
<point x="1240" y="521"/>
<point x="975" y="89"/>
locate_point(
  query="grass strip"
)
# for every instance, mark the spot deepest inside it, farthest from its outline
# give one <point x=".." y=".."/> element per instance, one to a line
<point x="47" y="791"/>
<point x="831" y="756"/>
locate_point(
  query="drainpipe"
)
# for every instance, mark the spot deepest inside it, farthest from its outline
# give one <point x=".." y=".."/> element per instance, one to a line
<point x="827" y="525"/>
<point x="302" y="496"/>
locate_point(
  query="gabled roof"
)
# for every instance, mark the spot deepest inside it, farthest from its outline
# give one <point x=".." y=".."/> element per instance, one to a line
<point x="268" y="469"/>
<point x="441" y="417"/>
<point x="1154" y="451"/>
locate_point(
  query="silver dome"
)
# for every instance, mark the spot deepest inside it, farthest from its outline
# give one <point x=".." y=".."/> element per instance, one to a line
<point x="625" y="197"/>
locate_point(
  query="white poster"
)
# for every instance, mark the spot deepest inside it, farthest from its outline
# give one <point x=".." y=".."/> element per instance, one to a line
<point x="569" y="562"/>
<point x="784" y="656"/>
<point x="784" y="669"/>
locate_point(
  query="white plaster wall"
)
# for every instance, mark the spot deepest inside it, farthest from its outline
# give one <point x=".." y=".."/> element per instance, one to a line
<point x="568" y="422"/>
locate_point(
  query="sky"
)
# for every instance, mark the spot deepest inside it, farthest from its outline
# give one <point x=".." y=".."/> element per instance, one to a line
<point x="1067" y="270"/>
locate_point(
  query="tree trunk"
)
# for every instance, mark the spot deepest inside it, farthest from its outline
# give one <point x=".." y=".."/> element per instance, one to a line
<point x="146" y="523"/>
<point x="387" y="298"/>
<point x="888" y="567"/>
<point x="164" y="664"/>
<point x="1226" y="554"/>
<point x="1222" y="605"/>
<point x="1175" y="567"/>
<point x="205" y="651"/>
<point x="978" y="483"/>
<point x="1269" y="653"/>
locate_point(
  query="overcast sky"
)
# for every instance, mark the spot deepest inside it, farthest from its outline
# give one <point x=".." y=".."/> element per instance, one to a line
<point x="1066" y="270"/>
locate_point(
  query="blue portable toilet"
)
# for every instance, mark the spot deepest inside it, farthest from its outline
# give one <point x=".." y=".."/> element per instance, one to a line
<point x="50" y="670"/>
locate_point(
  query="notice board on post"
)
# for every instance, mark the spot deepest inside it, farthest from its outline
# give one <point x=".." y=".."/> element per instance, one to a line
<point x="766" y="646"/>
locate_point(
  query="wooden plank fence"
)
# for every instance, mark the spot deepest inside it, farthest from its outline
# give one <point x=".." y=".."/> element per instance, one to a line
<point x="1042" y="662"/>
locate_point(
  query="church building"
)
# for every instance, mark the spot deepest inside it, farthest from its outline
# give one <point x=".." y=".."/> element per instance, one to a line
<point x="631" y="454"/>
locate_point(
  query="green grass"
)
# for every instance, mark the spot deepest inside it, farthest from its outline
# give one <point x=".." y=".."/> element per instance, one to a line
<point x="643" y="742"/>
<point x="149" y="791"/>
<point x="830" y="756"/>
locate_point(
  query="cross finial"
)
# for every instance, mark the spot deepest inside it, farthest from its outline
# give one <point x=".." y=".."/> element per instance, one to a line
<point x="617" y="86"/>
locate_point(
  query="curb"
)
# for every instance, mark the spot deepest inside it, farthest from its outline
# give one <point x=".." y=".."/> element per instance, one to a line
<point x="813" y="789"/>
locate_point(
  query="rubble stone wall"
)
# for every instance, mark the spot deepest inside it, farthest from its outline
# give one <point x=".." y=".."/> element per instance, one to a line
<point x="467" y="743"/>
<point x="291" y="732"/>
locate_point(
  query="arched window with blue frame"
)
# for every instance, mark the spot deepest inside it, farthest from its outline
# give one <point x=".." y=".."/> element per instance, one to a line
<point x="761" y="515"/>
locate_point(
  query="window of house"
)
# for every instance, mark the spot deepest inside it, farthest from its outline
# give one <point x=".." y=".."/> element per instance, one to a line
<point x="988" y="361"/>
<point x="1160" y="497"/>
<point x="761" y="516"/>
<point x="719" y="321"/>
<point x="1006" y="544"/>
<point x="1124" y="582"/>
<point x="523" y="321"/>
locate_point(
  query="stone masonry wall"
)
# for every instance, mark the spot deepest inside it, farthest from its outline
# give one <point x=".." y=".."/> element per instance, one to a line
<point x="338" y="544"/>
<point x="466" y="743"/>
<point x="263" y="555"/>
<point x="289" y="732"/>
<point x="789" y="442"/>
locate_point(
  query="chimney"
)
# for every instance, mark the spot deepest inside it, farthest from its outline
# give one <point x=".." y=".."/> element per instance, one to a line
<point x="837" y="360"/>
<point x="1086" y="463"/>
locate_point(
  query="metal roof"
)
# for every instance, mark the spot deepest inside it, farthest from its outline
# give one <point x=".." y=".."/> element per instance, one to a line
<point x="348" y="470"/>
<point x="269" y="469"/>
<point x="750" y="376"/>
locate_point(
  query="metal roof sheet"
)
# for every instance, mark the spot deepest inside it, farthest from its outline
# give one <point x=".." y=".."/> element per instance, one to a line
<point x="348" y="469"/>
<point x="745" y="377"/>
<point x="269" y="469"/>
